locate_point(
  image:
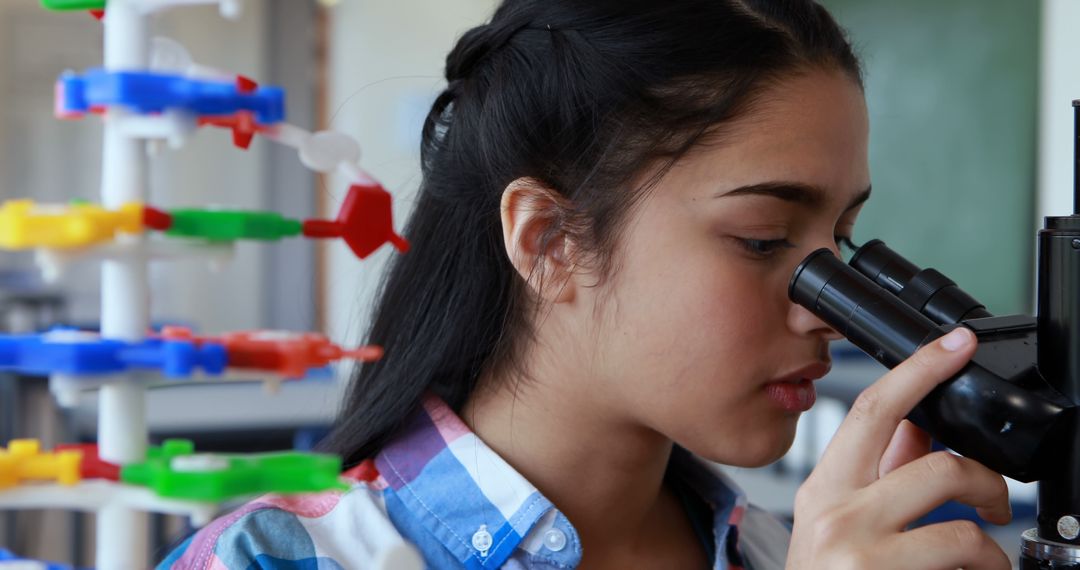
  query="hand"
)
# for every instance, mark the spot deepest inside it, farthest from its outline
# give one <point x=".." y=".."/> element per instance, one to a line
<point x="877" y="476"/>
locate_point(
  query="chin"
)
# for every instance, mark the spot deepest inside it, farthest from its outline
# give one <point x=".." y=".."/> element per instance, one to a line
<point x="750" y="453"/>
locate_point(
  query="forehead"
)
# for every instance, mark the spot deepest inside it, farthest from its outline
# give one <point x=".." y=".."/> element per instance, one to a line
<point x="810" y="128"/>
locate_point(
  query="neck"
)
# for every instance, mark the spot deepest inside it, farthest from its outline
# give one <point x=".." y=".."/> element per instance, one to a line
<point x="604" y="473"/>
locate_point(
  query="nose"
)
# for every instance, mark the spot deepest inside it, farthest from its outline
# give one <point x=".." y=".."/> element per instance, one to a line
<point x="804" y="323"/>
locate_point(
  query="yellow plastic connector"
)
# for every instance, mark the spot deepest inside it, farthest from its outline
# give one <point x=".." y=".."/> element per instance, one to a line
<point x="23" y="460"/>
<point x="24" y="224"/>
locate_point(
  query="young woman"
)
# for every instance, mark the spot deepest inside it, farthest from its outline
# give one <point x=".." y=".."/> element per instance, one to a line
<point x="594" y="311"/>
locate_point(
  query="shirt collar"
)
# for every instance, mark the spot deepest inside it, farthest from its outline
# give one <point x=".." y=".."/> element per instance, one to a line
<point x="724" y="496"/>
<point x="481" y="509"/>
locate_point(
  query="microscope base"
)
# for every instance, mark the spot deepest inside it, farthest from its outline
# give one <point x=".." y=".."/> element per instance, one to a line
<point x="1041" y="554"/>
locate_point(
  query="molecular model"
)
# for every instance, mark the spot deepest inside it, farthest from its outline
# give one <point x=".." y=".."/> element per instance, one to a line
<point x="149" y="93"/>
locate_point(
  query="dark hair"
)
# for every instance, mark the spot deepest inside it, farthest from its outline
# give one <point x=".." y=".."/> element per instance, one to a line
<point x="584" y="97"/>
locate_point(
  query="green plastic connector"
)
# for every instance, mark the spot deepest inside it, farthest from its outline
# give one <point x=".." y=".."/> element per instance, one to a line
<point x="230" y="225"/>
<point x="63" y="5"/>
<point x="175" y="471"/>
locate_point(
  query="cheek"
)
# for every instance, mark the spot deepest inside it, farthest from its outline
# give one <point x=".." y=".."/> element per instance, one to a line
<point x="743" y="310"/>
<point x="682" y="317"/>
<point x="688" y="334"/>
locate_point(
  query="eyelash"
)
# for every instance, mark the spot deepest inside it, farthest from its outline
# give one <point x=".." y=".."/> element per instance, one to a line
<point x="764" y="248"/>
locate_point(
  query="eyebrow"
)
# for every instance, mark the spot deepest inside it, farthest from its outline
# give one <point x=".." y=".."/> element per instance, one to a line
<point x="808" y="195"/>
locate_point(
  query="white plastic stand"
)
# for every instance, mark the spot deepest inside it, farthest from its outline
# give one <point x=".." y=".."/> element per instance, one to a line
<point x="103" y="496"/>
<point x="125" y="297"/>
<point x="122" y="524"/>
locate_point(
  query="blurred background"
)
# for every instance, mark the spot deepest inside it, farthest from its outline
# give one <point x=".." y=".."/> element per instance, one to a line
<point x="970" y="146"/>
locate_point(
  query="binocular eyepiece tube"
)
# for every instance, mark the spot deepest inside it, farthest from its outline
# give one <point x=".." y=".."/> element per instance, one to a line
<point x="925" y="290"/>
<point x="996" y="409"/>
<point x="880" y="324"/>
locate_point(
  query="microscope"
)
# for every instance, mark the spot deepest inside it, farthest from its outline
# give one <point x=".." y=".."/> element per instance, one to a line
<point x="1015" y="407"/>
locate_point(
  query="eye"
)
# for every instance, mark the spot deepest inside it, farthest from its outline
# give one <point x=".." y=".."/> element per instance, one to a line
<point x="764" y="247"/>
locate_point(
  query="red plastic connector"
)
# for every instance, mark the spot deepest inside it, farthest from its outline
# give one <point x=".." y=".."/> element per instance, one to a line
<point x="289" y="355"/>
<point x="242" y="123"/>
<point x="92" y="466"/>
<point x="98" y="14"/>
<point x="365" y="222"/>
<point x="246" y="84"/>
<point x="156" y="219"/>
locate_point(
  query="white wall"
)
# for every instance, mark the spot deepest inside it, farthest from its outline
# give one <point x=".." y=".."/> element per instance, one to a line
<point x="386" y="65"/>
<point x="1059" y="86"/>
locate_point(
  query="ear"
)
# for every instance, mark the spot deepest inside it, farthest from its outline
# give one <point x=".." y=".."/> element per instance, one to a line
<point x="535" y="239"/>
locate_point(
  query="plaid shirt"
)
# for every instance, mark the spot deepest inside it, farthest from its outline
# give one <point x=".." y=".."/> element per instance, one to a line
<point x="441" y="489"/>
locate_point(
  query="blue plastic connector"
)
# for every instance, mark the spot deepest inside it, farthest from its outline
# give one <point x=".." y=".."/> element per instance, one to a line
<point x="146" y="92"/>
<point x="82" y="354"/>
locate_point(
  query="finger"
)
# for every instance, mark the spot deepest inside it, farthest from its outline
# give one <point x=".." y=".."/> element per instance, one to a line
<point x="945" y="546"/>
<point x="908" y="444"/>
<point x="926" y="483"/>
<point x="854" y="454"/>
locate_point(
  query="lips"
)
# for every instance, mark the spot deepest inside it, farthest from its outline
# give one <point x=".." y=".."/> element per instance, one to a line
<point x="811" y="371"/>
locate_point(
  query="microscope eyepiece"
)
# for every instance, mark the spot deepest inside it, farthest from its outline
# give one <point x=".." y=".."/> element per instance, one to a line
<point x="927" y="290"/>
<point x="883" y="266"/>
<point x="869" y="316"/>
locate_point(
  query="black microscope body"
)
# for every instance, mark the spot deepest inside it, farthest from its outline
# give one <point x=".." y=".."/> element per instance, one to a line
<point x="1016" y="406"/>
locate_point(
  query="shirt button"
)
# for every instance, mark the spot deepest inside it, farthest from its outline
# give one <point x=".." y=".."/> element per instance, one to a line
<point x="555" y="539"/>
<point x="482" y="539"/>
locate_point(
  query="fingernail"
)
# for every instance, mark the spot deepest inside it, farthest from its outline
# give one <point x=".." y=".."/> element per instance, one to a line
<point x="957" y="339"/>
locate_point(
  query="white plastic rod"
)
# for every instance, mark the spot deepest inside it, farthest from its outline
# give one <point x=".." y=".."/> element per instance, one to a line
<point x="125" y="297"/>
<point x="125" y="287"/>
<point x="122" y="538"/>
<point x="127" y="44"/>
<point x="122" y="421"/>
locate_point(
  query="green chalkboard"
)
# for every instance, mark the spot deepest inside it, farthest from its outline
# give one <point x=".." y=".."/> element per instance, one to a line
<point x="952" y="91"/>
